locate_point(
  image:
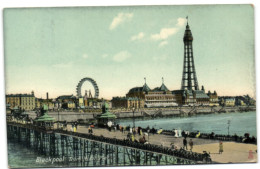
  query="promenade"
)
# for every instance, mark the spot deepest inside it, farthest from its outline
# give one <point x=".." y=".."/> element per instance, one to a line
<point x="74" y="115"/>
<point x="233" y="152"/>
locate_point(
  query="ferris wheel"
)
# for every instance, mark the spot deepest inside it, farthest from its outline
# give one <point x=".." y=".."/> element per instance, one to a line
<point x="92" y="81"/>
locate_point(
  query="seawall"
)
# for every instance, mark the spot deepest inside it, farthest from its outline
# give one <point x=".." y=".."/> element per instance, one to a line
<point x="156" y="112"/>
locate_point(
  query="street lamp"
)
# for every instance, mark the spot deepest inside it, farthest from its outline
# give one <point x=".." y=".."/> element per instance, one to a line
<point x="228" y="125"/>
<point x="58" y="119"/>
<point x="133" y="119"/>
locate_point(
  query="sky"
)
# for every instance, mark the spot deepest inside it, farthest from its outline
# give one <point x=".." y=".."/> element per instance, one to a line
<point x="52" y="49"/>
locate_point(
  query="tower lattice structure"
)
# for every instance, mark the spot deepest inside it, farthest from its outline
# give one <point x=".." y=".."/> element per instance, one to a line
<point x="189" y="78"/>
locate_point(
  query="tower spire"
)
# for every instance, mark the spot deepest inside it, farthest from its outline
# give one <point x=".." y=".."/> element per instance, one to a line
<point x="144" y="80"/>
<point x="162" y="80"/>
<point x="187" y="17"/>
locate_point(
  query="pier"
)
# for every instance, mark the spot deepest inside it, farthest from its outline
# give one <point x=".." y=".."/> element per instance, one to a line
<point x="79" y="149"/>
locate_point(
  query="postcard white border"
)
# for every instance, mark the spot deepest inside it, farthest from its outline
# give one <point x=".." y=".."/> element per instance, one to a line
<point x="71" y="3"/>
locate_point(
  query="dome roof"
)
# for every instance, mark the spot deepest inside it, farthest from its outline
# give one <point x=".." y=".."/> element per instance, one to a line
<point x="145" y="88"/>
<point x="135" y="89"/>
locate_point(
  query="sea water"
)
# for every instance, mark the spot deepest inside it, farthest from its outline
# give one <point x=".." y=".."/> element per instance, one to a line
<point x="240" y="123"/>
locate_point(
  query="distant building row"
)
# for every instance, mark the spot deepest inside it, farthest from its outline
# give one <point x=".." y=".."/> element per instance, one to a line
<point x="141" y="97"/>
<point x="138" y="97"/>
<point x="30" y="102"/>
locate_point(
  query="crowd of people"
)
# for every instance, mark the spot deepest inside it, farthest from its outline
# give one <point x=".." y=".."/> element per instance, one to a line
<point x="141" y="135"/>
<point x="185" y="143"/>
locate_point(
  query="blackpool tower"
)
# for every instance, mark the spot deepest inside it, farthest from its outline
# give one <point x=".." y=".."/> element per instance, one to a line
<point x="189" y="78"/>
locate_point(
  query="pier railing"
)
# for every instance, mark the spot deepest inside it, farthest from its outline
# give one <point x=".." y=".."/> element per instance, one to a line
<point x="221" y="137"/>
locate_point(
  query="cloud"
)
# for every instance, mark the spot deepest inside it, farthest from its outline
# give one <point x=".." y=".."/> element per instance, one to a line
<point x="119" y="19"/>
<point x="105" y="55"/>
<point x="138" y="36"/>
<point x="164" y="33"/>
<point x="121" y="56"/>
<point x="169" y="31"/>
<point x="85" y="56"/>
<point x="163" y="43"/>
<point x="160" y="58"/>
<point x="181" y="22"/>
<point x="62" y="65"/>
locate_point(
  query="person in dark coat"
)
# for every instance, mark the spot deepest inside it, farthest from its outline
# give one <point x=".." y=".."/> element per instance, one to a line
<point x="191" y="144"/>
<point x="185" y="143"/>
<point x="183" y="133"/>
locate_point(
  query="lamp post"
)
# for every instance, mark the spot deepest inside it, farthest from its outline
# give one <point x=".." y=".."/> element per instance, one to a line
<point x="133" y="119"/>
<point x="228" y="125"/>
<point x="58" y="119"/>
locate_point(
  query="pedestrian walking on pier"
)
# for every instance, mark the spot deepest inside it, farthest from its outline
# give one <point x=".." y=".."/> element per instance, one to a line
<point x="172" y="146"/>
<point x="72" y="127"/>
<point x="191" y="144"/>
<point x="129" y="136"/>
<point x="90" y="130"/>
<point x="134" y="131"/>
<point x="109" y="124"/>
<point x="65" y="126"/>
<point x="148" y="128"/>
<point x="133" y="138"/>
<point x="220" y="147"/>
<point x="185" y="143"/>
<point x="124" y="129"/>
<point x="183" y="133"/>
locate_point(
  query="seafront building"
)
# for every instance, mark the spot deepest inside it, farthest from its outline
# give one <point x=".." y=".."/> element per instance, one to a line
<point x="127" y="102"/>
<point x="213" y="98"/>
<point x="157" y="97"/>
<point x="231" y="101"/>
<point x="13" y="100"/>
<point x="48" y="102"/>
<point x="21" y="101"/>
<point x="140" y="97"/>
<point x="160" y="97"/>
